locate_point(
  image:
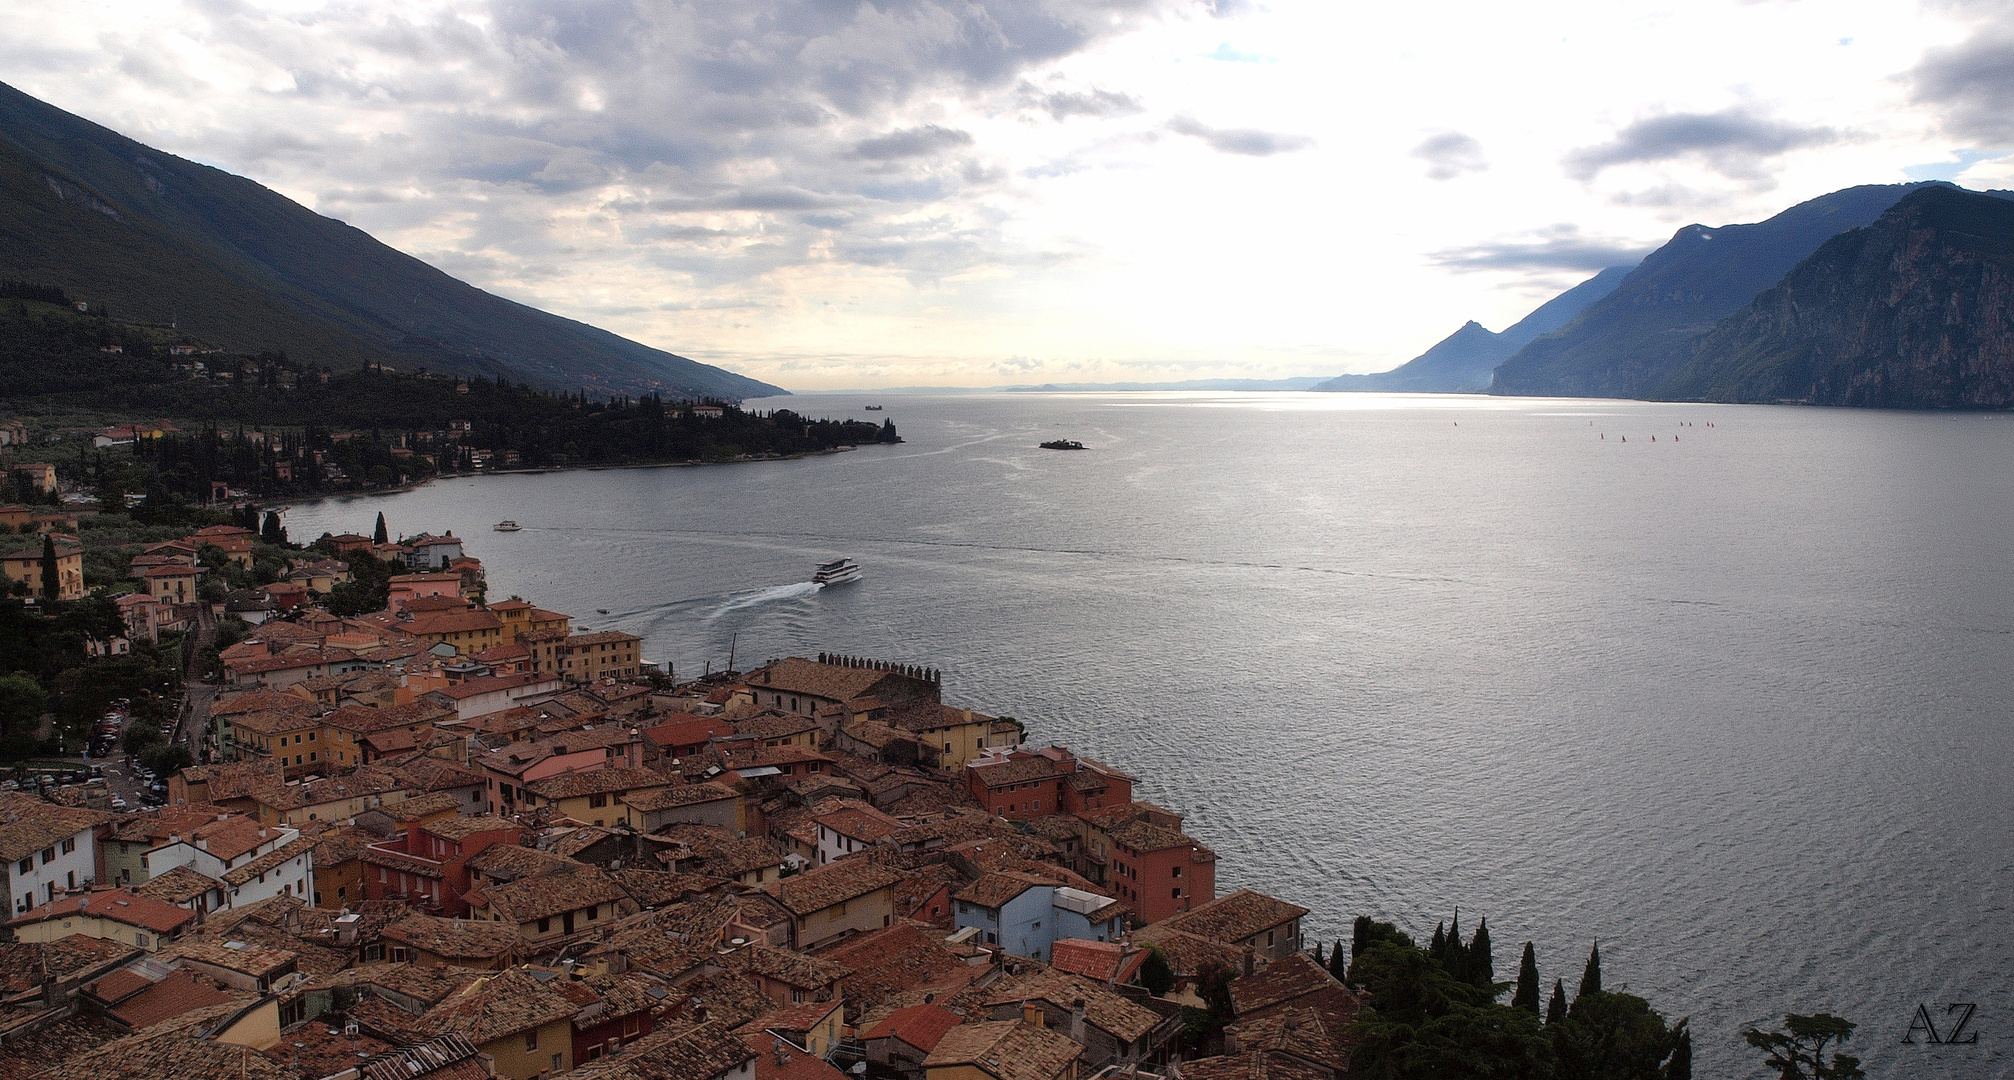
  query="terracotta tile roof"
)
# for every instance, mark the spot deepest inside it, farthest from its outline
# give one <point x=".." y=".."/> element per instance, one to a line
<point x="509" y="862"/>
<point x="420" y="806"/>
<point x="1105" y="961"/>
<point x="1236" y="917"/>
<point x="774" y="725"/>
<point x="174" y="1049"/>
<point x="118" y="905"/>
<point x="791" y="1066"/>
<point x="239" y="956"/>
<point x="232" y="837"/>
<point x="684" y="729"/>
<point x="71" y="955"/>
<point x="315" y="1049"/>
<point x="1187" y="953"/>
<point x="755" y="757"/>
<point x="423" y="773"/>
<point x="457" y="829"/>
<point x="1019" y="771"/>
<point x="490" y="684"/>
<point x="580" y="782"/>
<point x="698" y="1053"/>
<point x="792" y="968"/>
<point x="500" y="1005"/>
<point x="656" y="888"/>
<point x="993" y="890"/>
<point x="181" y="992"/>
<point x="897" y="963"/>
<point x="816" y="890"/>
<point x="553" y="894"/>
<point x="681" y="795"/>
<point x="28" y="824"/>
<point x="1147" y="836"/>
<point x="1254" y="1066"/>
<point x="797" y="675"/>
<point x="456" y="939"/>
<point x="364" y="719"/>
<point x="118" y="986"/>
<point x="1007" y="1049"/>
<point x="178" y="886"/>
<point x="367" y="780"/>
<point x="858" y="821"/>
<point x="921" y="1026"/>
<point x="443" y="1057"/>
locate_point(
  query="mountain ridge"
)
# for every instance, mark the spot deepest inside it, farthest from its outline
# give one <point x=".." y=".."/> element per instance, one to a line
<point x="166" y="240"/>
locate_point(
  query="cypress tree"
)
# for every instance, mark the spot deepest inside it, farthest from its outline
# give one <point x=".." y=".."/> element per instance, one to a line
<point x="1155" y="973"/>
<point x="381" y="536"/>
<point x="1319" y="961"/>
<point x="271" y="532"/>
<point x="52" y="582"/>
<point x="1339" y="965"/>
<point x="1679" y="1067"/>
<point x="1482" y="967"/>
<point x="1527" y="982"/>
<point x="1555" y="1010"/>
<point x="1360" y="936"/>
<point x="1590" y="977"/>
<point x="1438" y="948"/>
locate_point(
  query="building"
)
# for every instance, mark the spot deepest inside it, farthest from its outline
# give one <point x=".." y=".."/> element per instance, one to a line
<point x="47" y="848"/>
<point x="548" y="909"/>
<point x="523" y="1022"/>
<point x="25" y="566"/>
<point x="121" y="915"/>
<point x="405" y="588"/>
<point x="1003" y="1050"/>
<point x="428" y="552"/>
<point x="427" y="865"/>
<point x="584" y="658"/>
<point x="1270" y="929"/>
<point x="848" y="825"/>
<point x="520" y="618"/>
<point x="488" y="694"/>
<point x="1141" y="854"/>
<point x="809" y="687"/>
<point x="596" y="796"/>
<point x="695" y="804"/>
<point x="234" y="540"/>
<point x="834" y="901"/>
<point x="1025" y="915"/>
<point x="469" y="631"/>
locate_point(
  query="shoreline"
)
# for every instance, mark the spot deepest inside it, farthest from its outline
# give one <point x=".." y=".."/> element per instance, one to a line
<point x="403" y="488"/>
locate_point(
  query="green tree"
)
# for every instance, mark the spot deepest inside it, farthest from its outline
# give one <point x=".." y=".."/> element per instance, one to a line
<point x="21" y="703"/>
<point x="1612" y="1037"/>
<point x="167" y="759"/>
<point x="1590" y="976"/>
<point x="271" y="532"/>
<point x="1155" y="974"/>
<point x="139" y="739"/>
<point x="1556" y="1010"/>
<point x="1527" y="982"/>
<point x="1799" y="1053"/>
<point x="1680" y="1065"/>
<point x="1339" y="963"/>
<point x="1320" y="960"/>
<point x="1423" y="1022"/>
<point x="52" y="582"/>
<point x="1481" y="967"/>
<point x="1360" y="936"/>
<point x="381" y="535"/>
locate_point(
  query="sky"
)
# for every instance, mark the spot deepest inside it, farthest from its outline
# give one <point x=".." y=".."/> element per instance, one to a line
<point x="826" y="195"/>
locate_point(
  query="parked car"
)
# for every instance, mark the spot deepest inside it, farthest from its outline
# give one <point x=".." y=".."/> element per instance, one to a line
<point x="118" y="803"/>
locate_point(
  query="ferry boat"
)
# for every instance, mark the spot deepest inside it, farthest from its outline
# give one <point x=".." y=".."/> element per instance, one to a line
<point x="508" y="525"/>
<point x="836" y="572"/>
<point x="873" y="408"/>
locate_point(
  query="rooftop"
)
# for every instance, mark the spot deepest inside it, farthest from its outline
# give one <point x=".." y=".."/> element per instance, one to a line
<point x="816" y="890"/>
<point x="1236" y="917"/>
<point x="1006" y="1049"/>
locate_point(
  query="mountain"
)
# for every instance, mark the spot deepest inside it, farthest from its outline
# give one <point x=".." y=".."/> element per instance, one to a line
<point x="1913" y="311"/>
<point x="160" y="239"/>
<point x="1462" y="361"/>
<point x="1628" y="342"/>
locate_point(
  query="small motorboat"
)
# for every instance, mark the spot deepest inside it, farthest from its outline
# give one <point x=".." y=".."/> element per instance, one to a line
<point x="601" y="610"/>
<point x="508" y="525"/>
<point x="836" y="572"/>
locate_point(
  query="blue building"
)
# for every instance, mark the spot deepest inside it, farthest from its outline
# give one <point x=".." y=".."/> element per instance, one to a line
<point x="1026" y="915"/>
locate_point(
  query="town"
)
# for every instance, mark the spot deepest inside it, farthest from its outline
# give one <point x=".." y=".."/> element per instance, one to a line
<point x="454" y="836"/>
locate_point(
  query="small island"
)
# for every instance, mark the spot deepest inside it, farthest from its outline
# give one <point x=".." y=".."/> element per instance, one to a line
<point x="1063" y="444"/>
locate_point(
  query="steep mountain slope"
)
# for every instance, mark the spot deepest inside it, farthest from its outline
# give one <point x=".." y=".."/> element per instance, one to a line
<point x="1914" y="311"/>
<point x="1631" y="340"/>
<point x="1462" y="361"/>
<point x="160" y="239"/>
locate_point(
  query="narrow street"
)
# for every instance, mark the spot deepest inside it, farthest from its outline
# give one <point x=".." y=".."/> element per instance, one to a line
<point x="192" y="724"/>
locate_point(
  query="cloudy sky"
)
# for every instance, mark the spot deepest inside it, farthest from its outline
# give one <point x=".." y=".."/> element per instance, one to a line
<point x="828" y="194"/>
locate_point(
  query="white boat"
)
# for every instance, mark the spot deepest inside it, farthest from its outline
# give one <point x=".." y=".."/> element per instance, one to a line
<point x="508" y="525"/>
<point x="836" y="572"/>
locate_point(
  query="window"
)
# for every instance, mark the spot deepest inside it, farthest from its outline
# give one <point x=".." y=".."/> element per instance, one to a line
<point x="593" y="911"/>
<point x="69" y="845"/>
<point x="142" y="940"/>
<point x="1178" y="871"/>
<point x="1175" y="893"/>
<point x="531" y="1039"/>
<point x="631" y="1027"/>
<point x="48" y="855"/>
<point x="544" y="925"/>
<point x="555" y="1063"/>
<point x="597" y="801"/>
<point x="28" y="864"/>
<point x="311" y="736"/>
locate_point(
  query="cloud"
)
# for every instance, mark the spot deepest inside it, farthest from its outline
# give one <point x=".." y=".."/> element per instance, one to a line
<point x="1733" y="142"/>
<point x="1245" y="141"/>
<point x="910" y="143"/>
<point x="1970" y="84"/>
<point x="1450" y="154"/>
<point x="1560" y="247"/>
<point x="1064" y="104"/>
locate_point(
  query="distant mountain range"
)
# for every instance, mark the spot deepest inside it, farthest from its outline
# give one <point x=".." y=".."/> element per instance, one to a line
<point x="1914" y="311"/>
<point x="158" y="239"/>
<point x="1464" y="361"/>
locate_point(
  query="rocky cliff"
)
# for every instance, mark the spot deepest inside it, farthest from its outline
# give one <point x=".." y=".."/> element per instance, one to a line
<point x="1913" y="311"/>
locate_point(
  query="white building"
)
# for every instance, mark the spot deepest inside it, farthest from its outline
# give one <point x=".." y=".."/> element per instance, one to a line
<point x="48" y="848"/>
<point x="250" y="862"/>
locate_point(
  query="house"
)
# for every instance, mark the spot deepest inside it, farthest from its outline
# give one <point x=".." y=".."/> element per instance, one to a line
<point x="235" y="541"/>
<point x="41" y="474"/>
<point x="320" y="576"/>
<point x="524" y="1023"/>
<point x="495" y="693"/>
<point x="251" y="861"/>
<point x="783" y="976"/>
<point x="808" y="687"/>
<point x="596" y="795"/>
<point x="1246" y="919"/>
<point x="1003" y="1050"/>
<point x="706" y="1052"/>
<point x="584" y="658"/>
<point x="1294" y="1012"/>
<point x="1112" y="1028"/>
<point x="427" y="865"/>
<point x="326" y="798"/>
<point x="25" y="566"/>
<point x="847" y="897"/>
<point x="339" y="866"/>
<point x="1113" y="963"/>
<point x="1026" y="915"/>
<point x="460" y="943"/>
<point x="947" y="738"/>
<point x="520" y="618"/>
<point x="1141" y="854"/>
<point x="905" y="1037"/>
<point x="407" y="587"/>
<point x="429" y="552"/>
<point x="121" y="915"/>
<point x="236" y="965"/>
<point x="807" y="1032"/>
<point x="697" y="804"/>
<point x="849" y="825"/>
<point x="469" y="631"/>
<point x="683" y="734"/>
<point x="616" y="1010"/>
<point x="507" y="770"/>
<point x="550" y="908"/>
<point x="47" y="848"/>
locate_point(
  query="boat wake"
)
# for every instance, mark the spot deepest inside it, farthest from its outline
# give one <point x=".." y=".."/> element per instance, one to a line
<point x="741" y="601"/>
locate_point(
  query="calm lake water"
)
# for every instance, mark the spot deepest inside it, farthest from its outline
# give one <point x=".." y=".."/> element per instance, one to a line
<point x="1735" y="701"/>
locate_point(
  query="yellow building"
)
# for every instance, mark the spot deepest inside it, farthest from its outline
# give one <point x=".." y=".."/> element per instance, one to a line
<point x="1003" y="1050"/>
<point x="25" y="566"/>
<point x="170" y="582"/>
<point x="107" y="914"/>
<point x="521" y="618"/>
<point x="467" y="631"/>
<point x="584" y="658"/>
<point x="595" y="796"/>
<point x="523" y="1024"/>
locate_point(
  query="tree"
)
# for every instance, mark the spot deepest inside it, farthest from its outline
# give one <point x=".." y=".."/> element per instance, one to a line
<point x="167" y="759"/>
<point x="1339" y="964"/>
<point x="1155" y="974"/>
<point x="1590" y="976"/>
<point x="1611" y="1037"/>
<point x="1527" y="982"/>
<point x="1799" y="1053"/>
<point x="1680" y="1065"/>
<point x="21" y="703"/>
<point x="139" y="739"/>
<point x="1482" y="969"/>
<point x="1555" y="1010"/>
<point x="271" y="532"/>
<point x="52" y="582"/>
<point x="1320" y="960"/>
<point x="381" y="536"/>
<point x="1360" y="936"/>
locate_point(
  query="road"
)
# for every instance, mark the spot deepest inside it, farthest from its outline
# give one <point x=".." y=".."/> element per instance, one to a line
<point x="192" y="724"/>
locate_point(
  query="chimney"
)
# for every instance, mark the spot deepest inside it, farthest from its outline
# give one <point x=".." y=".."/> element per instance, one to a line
<point x="1077" y="1021"/>
<point x="1031" y="1014"/>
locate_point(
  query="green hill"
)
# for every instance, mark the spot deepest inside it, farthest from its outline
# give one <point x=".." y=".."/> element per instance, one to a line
<point x="158" y="239"/>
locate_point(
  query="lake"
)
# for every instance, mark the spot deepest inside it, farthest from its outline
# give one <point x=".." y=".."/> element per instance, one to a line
<point x="1727" y="687"/>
